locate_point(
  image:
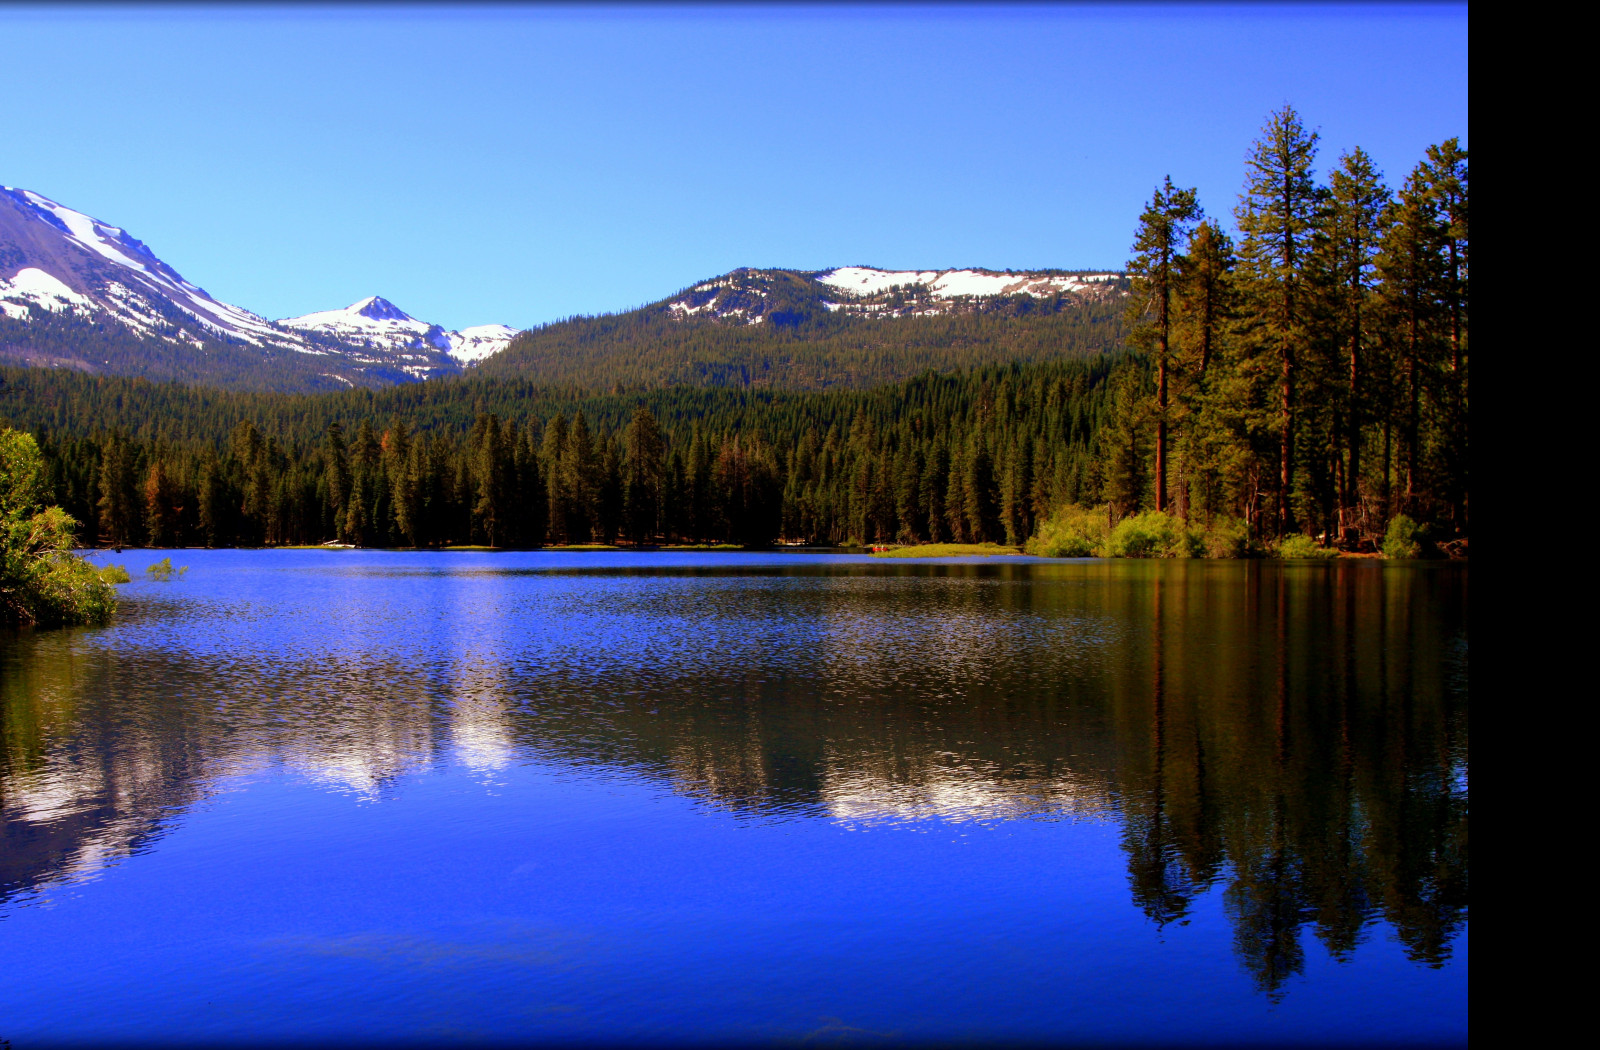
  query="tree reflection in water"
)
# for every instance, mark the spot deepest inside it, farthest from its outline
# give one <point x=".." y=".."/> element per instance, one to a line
<point x="1293" y="736"/>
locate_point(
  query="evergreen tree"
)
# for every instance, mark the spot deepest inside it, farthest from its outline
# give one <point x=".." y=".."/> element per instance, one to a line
<point x="1164" y="227"/>
<point x="1413" y="271"/>
<point x="491" y="463"/>
<point x="644" y="476"/>
<point x="336" y="476"/>
<point x="161" y="512"/>
<point x="118" y="502"/>
<point x="1277" y="216"/>
<point x="983" y="518"/>
<point x="1352" y="234"/>
<point x="558" y="499"/>
<point x="580" y="470"/>
<point x="1446" y="166"/>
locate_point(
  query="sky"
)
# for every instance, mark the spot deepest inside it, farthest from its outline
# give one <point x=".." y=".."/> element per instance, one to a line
<point x="520" y="164"/>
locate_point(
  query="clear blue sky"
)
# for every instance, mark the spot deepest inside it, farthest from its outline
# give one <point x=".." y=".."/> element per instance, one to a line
<point x="516" y="165"/>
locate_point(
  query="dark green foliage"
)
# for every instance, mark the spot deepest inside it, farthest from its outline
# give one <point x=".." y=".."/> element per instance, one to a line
<point x="971" y="456"/>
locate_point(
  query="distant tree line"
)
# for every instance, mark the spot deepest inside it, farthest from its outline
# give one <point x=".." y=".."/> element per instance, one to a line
<point x="970" y="456"/>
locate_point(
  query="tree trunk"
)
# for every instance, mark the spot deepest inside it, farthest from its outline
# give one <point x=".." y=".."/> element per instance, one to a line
<point x="1286" y="436"/>
<point x="1161" y="429"/>
<point x="1352" y="474"/>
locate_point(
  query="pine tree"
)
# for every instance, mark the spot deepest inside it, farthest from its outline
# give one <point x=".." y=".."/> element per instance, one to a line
<point x="1277" y="217"/>
<point x="1446" y="166"/>
<point x="161" y="513"/>
<point x="608" y="501"/>
<point x="983" y="499"/>
<point x="1164" y="227"/>
<point x="580" y="479"/>
<point x="117" y="499"/>
<point x="644" y="476"/>
<point x="1352" y="235"/>
<point x="212" y="502"/>
<point x="1125" y="460"/>
<point x="491" y="477"/>
<point x="1412" y="268"/>
<point x="336" y="475"/>
<point x="558" y="498"/>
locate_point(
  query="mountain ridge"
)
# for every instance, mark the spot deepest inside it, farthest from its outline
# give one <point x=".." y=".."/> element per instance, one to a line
<point x="60" y="263"/>
<point x="76" y="292"/>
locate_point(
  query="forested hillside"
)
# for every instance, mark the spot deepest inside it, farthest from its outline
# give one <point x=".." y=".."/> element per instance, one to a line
<point x="801" y="345"/>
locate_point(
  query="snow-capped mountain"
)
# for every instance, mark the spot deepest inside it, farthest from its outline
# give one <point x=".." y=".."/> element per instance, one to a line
<point x="57" y="263"/>
<point x="57" y="260"/>
<point x="378" y="323"/>
<point x="756" y="296"/>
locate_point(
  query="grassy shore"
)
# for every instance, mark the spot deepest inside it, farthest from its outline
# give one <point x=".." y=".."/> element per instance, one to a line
<point x="946" y="550"/>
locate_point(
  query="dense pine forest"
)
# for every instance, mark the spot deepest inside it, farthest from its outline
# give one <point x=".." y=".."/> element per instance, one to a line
<point x="1302" y="374"/>
<point x="968" y="456"/>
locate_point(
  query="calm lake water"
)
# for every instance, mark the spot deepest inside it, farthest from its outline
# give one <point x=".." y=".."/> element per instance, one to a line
<point x="389" y="797"/>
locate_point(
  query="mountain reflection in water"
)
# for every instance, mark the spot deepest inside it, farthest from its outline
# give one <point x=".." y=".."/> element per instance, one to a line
<point x="1296" y="735"/>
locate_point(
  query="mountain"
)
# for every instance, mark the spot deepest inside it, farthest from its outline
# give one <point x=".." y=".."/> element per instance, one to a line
<point x="81" y="293"/>
<point x="853" y="326"/>
<point x="378" y="324"/>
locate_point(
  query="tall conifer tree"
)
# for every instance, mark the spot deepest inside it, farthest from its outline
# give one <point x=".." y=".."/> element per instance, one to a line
<point x="1352" y="236"/>
<point x="1277" y="218"/>
<point x="1164" y="228"/>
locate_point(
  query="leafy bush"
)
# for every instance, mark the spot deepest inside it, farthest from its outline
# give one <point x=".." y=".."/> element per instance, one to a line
<point x="1071" y="532"/>
<point x="115" y="574"/>
<point x="1153" y="534"/>
<point x="42" y="581"/>
<point x="1227" y="538"/>
<point x="1404" y="538"/>
<point x="1301" y="546"/>
<point x="163" y="572"/>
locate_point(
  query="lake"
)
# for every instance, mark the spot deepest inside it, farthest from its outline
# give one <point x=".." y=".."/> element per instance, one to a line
<point x="382" y="797"/>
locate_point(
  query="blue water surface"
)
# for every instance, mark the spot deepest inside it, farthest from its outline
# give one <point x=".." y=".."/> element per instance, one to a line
<point x="387" y="798"/>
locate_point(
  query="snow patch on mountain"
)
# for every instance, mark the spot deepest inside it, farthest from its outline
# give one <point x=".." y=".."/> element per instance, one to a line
<point x="378" y="323"/>
<point x="471" y="345"/>
<point x="33" y="287"/>
<point x="864" y="281"/>
<point x="791" y="297"/>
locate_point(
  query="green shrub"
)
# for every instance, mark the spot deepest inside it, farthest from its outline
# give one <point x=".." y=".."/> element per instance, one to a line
<point x="163" y="572"/>
<point x="1227" y="538"/>
<point x="1300" y="546"/>
<point x="1153" y="534"/>
<point x="115" y="574"/>
<point x="1404" y="538"/>
<point x="1071" y="532"/>
<point x="42" y="582"/>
